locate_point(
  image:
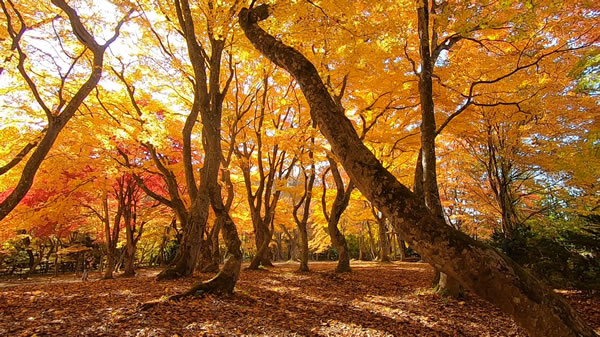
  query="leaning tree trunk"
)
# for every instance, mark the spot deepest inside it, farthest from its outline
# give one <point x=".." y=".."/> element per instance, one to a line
<point x="480" y="268"/>
<point x="58" y="119"/>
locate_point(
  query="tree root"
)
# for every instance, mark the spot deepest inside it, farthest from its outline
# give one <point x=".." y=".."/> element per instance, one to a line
<point x="169" y="274"/>
<point x="259" y="268"/>
<point x="209" y="268"/>
<point x="213" y="286"/>
<point x="223" y="284"/>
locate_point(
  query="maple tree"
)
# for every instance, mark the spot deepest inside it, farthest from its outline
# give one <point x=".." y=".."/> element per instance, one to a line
<point x="333" y="215"/>
<point x="380" y="186"/>
<point x="58" y="109"/>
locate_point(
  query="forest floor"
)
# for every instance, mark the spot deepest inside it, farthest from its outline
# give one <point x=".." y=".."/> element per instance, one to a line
<point x="374" y="300"/>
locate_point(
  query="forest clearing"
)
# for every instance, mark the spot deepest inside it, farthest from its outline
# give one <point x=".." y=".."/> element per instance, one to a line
<point x="376" y="299"/>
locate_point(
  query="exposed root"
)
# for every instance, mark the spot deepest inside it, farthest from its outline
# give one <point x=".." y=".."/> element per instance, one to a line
<point x="169" y="274"/>
<point x="259" y="268"/>
<point x="209" y="268"/>
<point x="223" y="284"/>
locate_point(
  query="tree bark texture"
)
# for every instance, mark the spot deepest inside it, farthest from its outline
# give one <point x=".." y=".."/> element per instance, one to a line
<point x="483" y="270"/>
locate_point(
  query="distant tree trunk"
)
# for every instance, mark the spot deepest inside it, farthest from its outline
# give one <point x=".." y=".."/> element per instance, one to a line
<point x="383" y="242"/>
<point x="361" y="255"/>
<point x="372" y="247"/>
<point x="132" y="196"/>
<point x="292" y="243"/>
<point x="382" y="239"/>
<point x="304" y="252"/>
<point x="266" y="196"/>
<point x="342" y="198"/>
<point x="111" y="235"/>
<point x="305" y="200"/>
<point x="262" y="257"/>
<point x="481" y="268"/>
<point x="279" y="247"/>
<point x="393" y="245"/>
<point x="500" y="175"/>
<point x="402" y="248"/>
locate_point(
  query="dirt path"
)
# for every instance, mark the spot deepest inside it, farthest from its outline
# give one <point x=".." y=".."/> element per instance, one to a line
<point x="375" y="300"/>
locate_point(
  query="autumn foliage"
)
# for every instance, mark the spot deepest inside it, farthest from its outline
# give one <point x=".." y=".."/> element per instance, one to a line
<point x="154" y="133"/>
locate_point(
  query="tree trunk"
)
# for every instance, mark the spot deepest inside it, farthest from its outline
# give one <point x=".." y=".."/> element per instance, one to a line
<point x="309" y="181"/>
<point x="384" y="246"/>
<point x="278" y="242"/>
<point x="110" y="265"/>
<point x="448" y="286"/>
<point x="361" y="256"/>
<point x="342" y="198"/>
<point x="303" y="247"/>
<point x="226" y="278"/>
<point x="428" y="128"/>
<point x="338" y="240"/>
<point x="187" y="256"/>
<point x="206" y="263"/>
<point x="371" y="242"/>
<point x="479" y="267"/>
<point x="215" y="248"/>
<point x="402" y="248"/>
<point x="129" y="261"/>
<point x="262" y="249"/>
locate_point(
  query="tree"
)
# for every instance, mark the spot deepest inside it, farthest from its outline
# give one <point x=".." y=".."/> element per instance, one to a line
<point x="340" y="203"/>
<point x="273" y="163"/>
<point x="479" y="267"/>
<point x="60" y="109"/>
<point x="208" y="92"/>
<point x="309" y="176"/>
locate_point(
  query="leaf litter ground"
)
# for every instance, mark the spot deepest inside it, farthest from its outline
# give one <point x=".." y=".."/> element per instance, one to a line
<point x="374" y="300"/>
